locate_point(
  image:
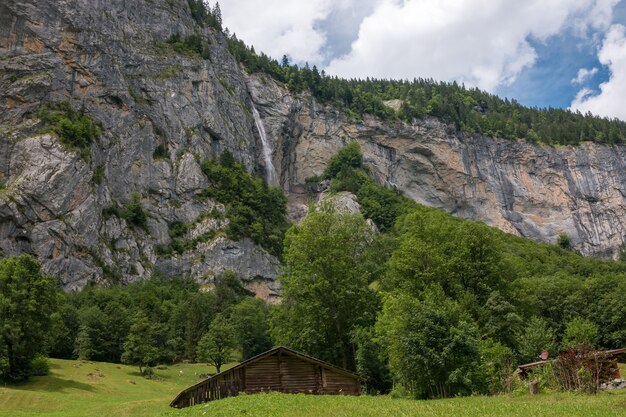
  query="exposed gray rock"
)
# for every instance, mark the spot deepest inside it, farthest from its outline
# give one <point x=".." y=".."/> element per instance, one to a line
<point x="112" y="59"/>
<point x="531" y="190"/>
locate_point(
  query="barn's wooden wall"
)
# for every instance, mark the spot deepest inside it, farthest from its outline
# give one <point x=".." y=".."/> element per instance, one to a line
<point x="276" y="372"/>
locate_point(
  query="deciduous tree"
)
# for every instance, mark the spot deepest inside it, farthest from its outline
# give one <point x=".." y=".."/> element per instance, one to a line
<point x="27" y="300"/>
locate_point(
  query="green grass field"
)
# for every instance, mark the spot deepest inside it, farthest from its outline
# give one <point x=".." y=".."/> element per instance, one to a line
<point x="93" y="389"/>
<point x="606" y="404"/>
<point x="86" y="389"/>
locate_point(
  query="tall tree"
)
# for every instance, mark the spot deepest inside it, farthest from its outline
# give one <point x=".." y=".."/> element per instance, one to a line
<point x="325" y="290"/>
<point x="250" y="321"/>
<point x="579" y="332"/>
<point x="534" y="339"/>
<point x="433" y="345"/>
<point x="141" y="346"/>
<point x="27" y="300"/>
<point x="217" y="344"/>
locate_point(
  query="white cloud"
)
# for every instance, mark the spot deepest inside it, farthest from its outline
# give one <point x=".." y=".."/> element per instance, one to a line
<point x="609" y="101"/>
<point x="583" y="75"/>
<point x="279" y="27"/>
<point x="483" y="43"/>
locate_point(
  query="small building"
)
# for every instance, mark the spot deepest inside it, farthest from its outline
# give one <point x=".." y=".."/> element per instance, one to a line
<point x="279" y="369"/>
<point x="605" y="355"/>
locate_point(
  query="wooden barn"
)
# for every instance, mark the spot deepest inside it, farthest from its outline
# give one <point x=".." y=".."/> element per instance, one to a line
<point x="280" y="369"/>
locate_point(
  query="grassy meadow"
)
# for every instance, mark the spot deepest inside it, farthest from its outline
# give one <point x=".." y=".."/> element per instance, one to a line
<point x="86" y="389"/>
<point x="95" y="389"/>
<point x="606" y="404"/>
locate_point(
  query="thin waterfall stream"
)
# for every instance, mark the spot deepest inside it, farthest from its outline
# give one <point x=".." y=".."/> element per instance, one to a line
<point x="270" y="171"/>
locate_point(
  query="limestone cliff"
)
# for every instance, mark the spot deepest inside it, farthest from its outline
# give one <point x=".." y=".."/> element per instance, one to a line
<point x="530" y="190"/>
<point x="112" y="60"/>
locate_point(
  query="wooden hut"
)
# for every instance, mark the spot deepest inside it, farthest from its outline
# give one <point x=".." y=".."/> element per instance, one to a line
<point x="280" y="369"/>
<point x="604" y="355"/>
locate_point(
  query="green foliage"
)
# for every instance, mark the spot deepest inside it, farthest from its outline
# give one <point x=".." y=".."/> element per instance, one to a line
<point x="190" y="320"/>
<point x="63" y="330"/>
<point x="500" y="320"/>
<point x="250" y="322"/>
<point x="471" y="111"/>
<point x="498" y="366"/>
<point x="141" y="345"/>
<point x="463" y="257"/>
<point x="325" y="292"/>
<point x="579" y="332"/>
<point x="134" y="213"/>
<point x="564" y="241"/>
<point x="160" y="152"/>
<point x="74" y="128"/>
<point x="39" y="366"/>
<point x="204" y="15"/>
<point x="83" y="346"/>
<point x="370" y="361"/>
<point x="191" y="45"/>
<point x="349" y="156"/>
<point x="255" y="210"/>
<point x="98" y="175"/>
<point x="228" y="290"/>
<point x="27" y="299"/>
<point x="534" y="339"/>
<point x="433" y="345"/>
<point x="217" y="344"/>
<point x="381" y="205"/>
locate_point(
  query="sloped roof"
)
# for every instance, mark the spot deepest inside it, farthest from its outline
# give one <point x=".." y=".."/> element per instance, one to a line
<point x="270" y="352"/>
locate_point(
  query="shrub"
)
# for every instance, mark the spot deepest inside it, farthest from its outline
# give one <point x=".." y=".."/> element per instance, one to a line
<point x="98" y="175"/>
<point x="134" y="213"/>
<point x="192" y="45"/>
<point x="349" y="156"/>
<point x="74" y="128"/>
<point x="39" y="366"/>
<point x="255" y="210"/>
<point x="583" y="369"/>
<point x="160" y="152"/>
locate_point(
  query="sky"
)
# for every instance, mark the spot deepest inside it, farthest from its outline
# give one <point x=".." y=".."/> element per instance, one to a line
<point x="558" y="53"/>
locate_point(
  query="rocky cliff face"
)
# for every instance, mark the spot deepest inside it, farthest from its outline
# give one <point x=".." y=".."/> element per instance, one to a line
<point x="530" y="190"/>
<point x="112" y="59"/>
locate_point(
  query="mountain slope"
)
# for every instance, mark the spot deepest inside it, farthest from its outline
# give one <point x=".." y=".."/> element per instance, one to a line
<point x="166" y="94"/>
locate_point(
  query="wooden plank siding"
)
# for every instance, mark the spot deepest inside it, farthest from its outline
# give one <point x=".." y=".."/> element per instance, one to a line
<point x="279" y="369"/>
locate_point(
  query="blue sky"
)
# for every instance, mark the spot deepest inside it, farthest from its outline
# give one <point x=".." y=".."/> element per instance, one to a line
<point x="529" y="50"/>
<point x="548" y="82"/>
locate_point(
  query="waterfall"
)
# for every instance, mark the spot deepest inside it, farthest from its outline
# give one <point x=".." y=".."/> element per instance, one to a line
<point x="270" y="172"/>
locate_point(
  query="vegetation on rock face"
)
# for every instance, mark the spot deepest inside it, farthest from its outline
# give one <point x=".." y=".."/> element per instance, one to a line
<point x="192" y="45"/>
<point x="469" y="110"/>
<point x="132" y="212"/>
<point x="74" y="128"/>
<point x="203" y="14"/>
<point x="255" y="210"/>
